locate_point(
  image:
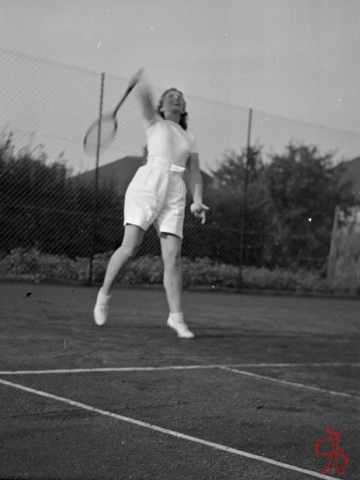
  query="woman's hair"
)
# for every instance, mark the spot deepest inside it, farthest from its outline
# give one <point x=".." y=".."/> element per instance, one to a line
<point x="184" y="116"/>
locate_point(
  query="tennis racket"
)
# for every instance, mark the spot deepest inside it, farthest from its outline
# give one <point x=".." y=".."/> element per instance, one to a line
<point x="107" y="125"/>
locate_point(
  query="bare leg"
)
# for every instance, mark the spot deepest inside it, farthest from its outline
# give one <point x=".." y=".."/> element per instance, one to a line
<point x="171" y="254"/>
<point x="131" y="242"/>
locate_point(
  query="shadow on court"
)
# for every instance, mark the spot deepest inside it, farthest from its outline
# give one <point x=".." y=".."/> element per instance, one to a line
<point x="171" y="423"/>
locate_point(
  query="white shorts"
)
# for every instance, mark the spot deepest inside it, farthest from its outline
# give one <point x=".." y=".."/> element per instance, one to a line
<point x="156" y="195"/>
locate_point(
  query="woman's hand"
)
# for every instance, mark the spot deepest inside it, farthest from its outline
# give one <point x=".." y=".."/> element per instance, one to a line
<point x="198" y="210"/>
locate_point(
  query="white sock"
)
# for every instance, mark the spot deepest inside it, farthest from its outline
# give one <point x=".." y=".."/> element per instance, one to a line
<point x="101" y="298"/>
<point x="177" y="317"/>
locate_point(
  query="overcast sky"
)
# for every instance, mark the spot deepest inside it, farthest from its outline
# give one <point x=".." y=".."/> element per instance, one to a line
<point x="293" y="58"/>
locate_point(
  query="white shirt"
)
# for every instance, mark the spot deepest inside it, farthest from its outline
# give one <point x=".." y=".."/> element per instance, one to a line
<point x="169" y="141"/>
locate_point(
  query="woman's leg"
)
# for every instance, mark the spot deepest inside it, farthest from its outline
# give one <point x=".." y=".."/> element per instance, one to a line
<point x="171" y="254"/>
<point x="133" y="236"/>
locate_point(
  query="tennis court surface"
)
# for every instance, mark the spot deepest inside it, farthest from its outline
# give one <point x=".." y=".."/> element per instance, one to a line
<point x="250" y="398"/>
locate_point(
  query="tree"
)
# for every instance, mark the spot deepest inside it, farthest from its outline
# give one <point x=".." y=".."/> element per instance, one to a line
<point x="43" y="206"/>
<point x="304" y="189"/>
<point x="290" y="206"/>
<point x="228" y="196"/>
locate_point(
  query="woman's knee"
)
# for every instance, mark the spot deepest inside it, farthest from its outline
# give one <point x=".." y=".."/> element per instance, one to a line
<point x="172" y="258"/>
<point x="128" y="251"/>
<point x="131" y="242"/>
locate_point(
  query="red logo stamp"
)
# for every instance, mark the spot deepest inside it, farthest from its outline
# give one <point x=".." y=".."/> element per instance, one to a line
<point x="334" y="453"/>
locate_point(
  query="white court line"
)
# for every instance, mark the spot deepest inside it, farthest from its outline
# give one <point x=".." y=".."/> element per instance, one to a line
<point x="217" y="446"/>
<point x="295" y="365"/>
<point x="109" y="369"/>
<point x="175" y="367"/>
<point x="292" y="384"/>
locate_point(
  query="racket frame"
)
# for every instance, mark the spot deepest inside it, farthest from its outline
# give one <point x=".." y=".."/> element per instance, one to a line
<point x="97" y="123"/>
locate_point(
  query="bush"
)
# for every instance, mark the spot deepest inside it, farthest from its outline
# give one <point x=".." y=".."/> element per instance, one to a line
<point x="32" y="264"/>
<point x="21" y="262"/>
<point x="147" y="269"/>
<point x="282" y="279"/>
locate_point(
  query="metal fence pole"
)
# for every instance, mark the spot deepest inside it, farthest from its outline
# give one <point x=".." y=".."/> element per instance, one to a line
<point x="244" y="206"/>
<point x="330" y="265"/>
<point x="96" y="186"/>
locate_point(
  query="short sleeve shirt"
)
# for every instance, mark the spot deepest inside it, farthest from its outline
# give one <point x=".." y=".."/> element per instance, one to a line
<point x="168" y="140"/>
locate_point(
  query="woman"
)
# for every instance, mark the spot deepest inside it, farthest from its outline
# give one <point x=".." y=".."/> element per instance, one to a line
<point x="157" y="195"/>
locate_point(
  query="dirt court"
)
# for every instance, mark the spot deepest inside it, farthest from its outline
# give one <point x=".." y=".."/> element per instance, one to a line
<point x="251" y="397"/>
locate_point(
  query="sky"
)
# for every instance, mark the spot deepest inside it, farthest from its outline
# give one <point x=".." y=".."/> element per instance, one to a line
<point x="297" y="59"/>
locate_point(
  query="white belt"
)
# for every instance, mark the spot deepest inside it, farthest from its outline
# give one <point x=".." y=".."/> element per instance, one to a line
<point x="160" y="162"/>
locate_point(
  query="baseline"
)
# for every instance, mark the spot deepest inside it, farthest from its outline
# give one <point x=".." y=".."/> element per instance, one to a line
<point x="175" y="367"/>
<point x="166" y="431"/>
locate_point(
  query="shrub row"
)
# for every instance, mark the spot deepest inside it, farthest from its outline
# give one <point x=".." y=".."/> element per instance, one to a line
<point x="37" y="266"/>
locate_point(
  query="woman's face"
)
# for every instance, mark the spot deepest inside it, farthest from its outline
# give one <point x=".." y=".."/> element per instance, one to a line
<point x="173" y="101"/>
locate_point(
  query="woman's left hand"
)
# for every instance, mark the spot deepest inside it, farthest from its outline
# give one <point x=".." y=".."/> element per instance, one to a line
<point x="198" y="210"/>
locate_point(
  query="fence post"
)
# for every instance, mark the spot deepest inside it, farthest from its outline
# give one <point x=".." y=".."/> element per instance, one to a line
<point x="244" y="206"/>
<point x="331" y="260"/>
<point x="96" y="183"/>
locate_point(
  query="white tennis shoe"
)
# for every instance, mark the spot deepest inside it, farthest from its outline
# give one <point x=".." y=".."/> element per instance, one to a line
<point x="101" y="309"/>
<point x="180" y="328"/>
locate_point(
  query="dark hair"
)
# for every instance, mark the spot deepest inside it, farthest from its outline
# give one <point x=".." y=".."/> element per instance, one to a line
<point x="183" y="117"/>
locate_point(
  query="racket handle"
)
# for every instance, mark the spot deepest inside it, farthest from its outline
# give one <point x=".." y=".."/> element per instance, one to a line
<point x="135" y="78"/>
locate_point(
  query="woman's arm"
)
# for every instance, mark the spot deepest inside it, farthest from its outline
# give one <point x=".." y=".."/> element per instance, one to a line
<point x="195" y="179"/>
<point x="196" y="186"/>
<point x="144" y="95"/>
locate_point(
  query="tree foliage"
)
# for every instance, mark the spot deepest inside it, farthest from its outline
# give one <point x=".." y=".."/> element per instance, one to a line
<point x="43" y="206"/>
<point x="230" y="181"/>
<point x="304" y="189"/>
<point x="290" y="201"/>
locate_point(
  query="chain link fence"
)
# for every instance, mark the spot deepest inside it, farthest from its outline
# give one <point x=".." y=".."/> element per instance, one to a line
<point x="48" y="198"/>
